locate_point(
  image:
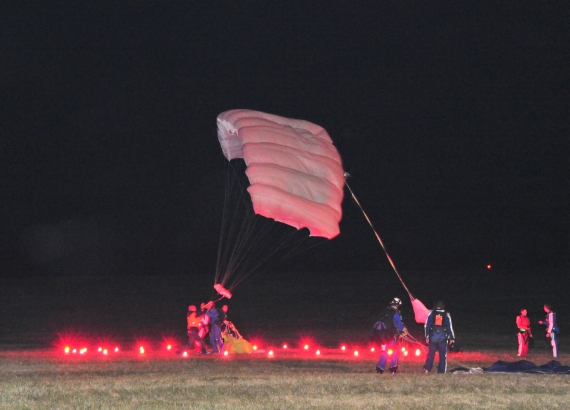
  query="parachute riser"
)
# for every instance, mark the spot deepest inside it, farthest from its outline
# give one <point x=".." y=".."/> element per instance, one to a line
<point x="377" y="237"/>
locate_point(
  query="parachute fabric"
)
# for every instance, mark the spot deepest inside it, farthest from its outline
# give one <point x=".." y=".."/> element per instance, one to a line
<point x="420" y="311"/>
<point x="295" y="172"/>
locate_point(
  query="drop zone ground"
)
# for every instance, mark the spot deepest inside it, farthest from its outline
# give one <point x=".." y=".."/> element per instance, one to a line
<point x="295" y="379"/>
<point x="39" y="315"/>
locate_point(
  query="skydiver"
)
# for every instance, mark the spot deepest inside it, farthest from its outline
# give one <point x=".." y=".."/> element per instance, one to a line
<point x="438" y="331"/>
<point x="387" y="329"/>
<point x="551" y="328"/>
<point x="217" y="317"/>
<point x="194" y="339"/>
<point x="524" y="335"/>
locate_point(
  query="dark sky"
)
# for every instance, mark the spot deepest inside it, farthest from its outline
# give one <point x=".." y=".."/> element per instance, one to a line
<point x="453" y="122"/>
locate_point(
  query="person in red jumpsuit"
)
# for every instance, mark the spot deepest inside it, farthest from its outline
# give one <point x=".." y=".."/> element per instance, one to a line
<point x="523" y="325"/>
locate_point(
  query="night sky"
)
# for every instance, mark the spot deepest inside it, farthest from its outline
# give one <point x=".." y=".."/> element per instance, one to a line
<point x="453" y="122"/>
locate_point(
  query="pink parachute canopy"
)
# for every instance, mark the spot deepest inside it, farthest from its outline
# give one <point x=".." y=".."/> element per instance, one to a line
<point x="420" y="311"/>
<point x="295" y="172"/>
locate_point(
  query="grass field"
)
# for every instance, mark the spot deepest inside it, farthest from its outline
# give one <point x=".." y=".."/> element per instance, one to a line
<point x="48" y="379"/>
<point x="39" y="314"/>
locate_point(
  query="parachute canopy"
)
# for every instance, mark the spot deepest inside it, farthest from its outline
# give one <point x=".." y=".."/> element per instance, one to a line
<point x="420" y="311"/>
<point x="295" y="172"/>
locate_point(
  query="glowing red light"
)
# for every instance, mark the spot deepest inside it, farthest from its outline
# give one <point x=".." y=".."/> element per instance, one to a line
<point x="343" y="348"/>
<point x="141" y="350"/>
<point x="105" y="351"/>
<point x="356" y="352"/>
<point x="418" y="352"/>
<point x="489" y="266"/>
<point x="390" y="351"/>
<point x="74" y="351"/>
<point x="226" y="353"/>
<point x="318" y="352"/>
<point x="270" y="354"/>
<point x="372" y="349"/>
<point x="185" y="354"/>
<point x="67" y="349"/>
<point x="254" y="347"/>
<point x="306" y="347"/>
<point x="100" y="349"/>
<point x="403" y="349"/>
<point x="284" y="346"/>
<point x="116" y="349"/>
<point x="169" y="347"/>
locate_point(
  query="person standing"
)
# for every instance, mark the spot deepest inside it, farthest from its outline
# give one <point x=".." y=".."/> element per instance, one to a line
<point x="523" y="325"/>
<point x="551" y="328"/>
<point x="387" y="330"/>
<point x="438" y="331"/>
<point x="217" y="317"/>
<point x="194" y="339"/>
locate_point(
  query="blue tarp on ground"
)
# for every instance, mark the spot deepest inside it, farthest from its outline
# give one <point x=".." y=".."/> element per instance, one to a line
<point x="524" y="366"/>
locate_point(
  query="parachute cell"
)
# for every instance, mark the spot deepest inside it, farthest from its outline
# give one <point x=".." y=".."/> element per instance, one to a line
<point x="295" y="172"/>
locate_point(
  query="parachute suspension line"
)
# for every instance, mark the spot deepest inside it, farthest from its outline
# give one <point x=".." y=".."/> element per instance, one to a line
<point x="378" y="237"/>
<point x="245" y="235"/>
<point x="238" y="231"/>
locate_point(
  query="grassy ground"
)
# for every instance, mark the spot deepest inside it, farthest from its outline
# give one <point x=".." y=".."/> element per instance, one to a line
<point x="36" y="312"/>
<point x="46" y="379"/>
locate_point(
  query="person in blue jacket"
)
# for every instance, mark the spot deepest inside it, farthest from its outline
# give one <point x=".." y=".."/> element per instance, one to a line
<point x="217" y="317"/>
<point x="387" y="329"/>
<point x="551" y="328"/>
<point x="438" y="331"/>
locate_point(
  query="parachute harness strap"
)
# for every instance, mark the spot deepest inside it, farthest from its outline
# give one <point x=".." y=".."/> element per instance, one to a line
<point x="377" y="236"/>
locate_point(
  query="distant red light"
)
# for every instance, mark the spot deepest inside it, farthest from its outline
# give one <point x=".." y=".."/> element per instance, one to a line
<point x="67" y="349"/>
<point x="390" y="351"/>
<point x="489" y="266"/>
<point x="356" y="352"/>
<point x="306" y="347"/>
<point x="284" y="346"/>
<point x="418" y="352"/>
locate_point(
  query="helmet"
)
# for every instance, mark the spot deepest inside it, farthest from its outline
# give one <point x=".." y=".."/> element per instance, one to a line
<point x="396" y="302"/>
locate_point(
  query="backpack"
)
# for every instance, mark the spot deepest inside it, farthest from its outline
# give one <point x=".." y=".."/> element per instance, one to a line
<point x="383" y="330"/>
<point x="437" y="331"/>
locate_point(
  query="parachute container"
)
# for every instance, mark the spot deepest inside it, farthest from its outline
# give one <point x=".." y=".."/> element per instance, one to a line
<point x="222" y="291"/>
<point x="295" y="172"/>
<point x="420" y="311"/>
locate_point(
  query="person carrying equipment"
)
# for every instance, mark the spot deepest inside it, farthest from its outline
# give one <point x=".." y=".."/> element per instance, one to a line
<point x="387" y="329"/>
<point x="524" y="335"/>
<point x="438" y="331"/>
<point x="551" y="328"/>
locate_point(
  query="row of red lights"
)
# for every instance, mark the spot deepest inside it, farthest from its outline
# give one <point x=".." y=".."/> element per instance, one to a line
<point x="271" y="353"/>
